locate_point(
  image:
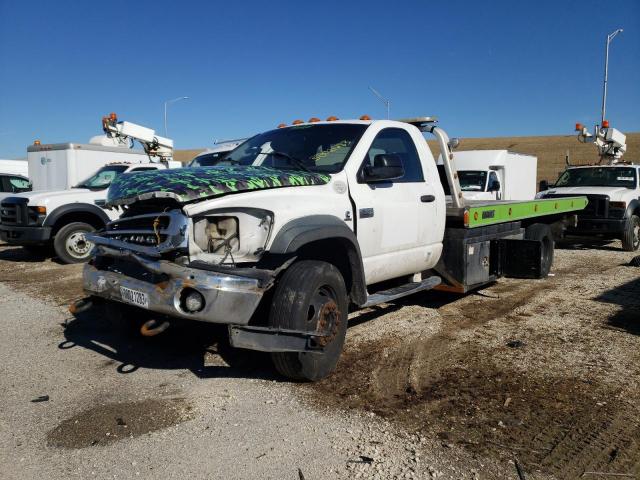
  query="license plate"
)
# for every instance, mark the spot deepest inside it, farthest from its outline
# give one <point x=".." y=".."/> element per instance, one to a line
<point x="134" y="297"/>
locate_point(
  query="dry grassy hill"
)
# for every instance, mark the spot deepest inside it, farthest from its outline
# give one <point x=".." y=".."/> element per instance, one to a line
<point x="551" y="150"/>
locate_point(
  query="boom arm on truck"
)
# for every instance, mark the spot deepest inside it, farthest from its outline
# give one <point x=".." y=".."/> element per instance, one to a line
<point x="610" y="142"/>
<point x="154" y="145"/>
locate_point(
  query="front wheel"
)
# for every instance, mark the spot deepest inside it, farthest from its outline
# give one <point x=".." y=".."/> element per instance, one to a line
<point x="70" y="243"/>
<point x="631" y="235"/>
<point x="311" y="296"/>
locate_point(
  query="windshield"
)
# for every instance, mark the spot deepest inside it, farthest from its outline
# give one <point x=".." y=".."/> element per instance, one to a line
<point x="318" y="148"/>
<point x="208" y="159"/>
<point x="598" y="177"/>
<point x="472" y="180"/>
<point x="102" y="178"/>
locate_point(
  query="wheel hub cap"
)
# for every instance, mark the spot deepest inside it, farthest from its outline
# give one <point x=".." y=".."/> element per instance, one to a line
<point x="77" y="245"/>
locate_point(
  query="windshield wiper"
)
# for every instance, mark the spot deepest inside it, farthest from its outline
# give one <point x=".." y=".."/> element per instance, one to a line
<point x="293" y="160"/>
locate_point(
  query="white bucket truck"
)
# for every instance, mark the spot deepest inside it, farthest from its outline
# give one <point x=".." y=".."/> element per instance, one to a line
<point x="84" y="171"/>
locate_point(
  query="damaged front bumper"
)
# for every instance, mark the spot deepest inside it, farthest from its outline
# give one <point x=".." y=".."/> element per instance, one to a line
<point x="229" y="298"/>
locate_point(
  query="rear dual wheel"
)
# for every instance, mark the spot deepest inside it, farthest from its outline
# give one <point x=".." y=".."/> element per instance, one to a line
<point x="542" y="233"/>
<point x="311" y="296"/>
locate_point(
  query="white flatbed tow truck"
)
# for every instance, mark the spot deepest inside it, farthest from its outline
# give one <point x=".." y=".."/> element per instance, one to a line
<point x="307" y="222"/>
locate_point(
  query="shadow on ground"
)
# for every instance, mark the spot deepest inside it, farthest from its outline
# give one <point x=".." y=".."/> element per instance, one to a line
<point x="198" y="347"/>
<point x="626" y="296"/>
<point x="28" y="255"/>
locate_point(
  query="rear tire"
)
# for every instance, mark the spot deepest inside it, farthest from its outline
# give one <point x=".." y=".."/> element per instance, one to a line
<point x="631" y="235"/>
<point x="542" y="233"/>
<point x="311" y="296"/>
<point x="70" y="244"/>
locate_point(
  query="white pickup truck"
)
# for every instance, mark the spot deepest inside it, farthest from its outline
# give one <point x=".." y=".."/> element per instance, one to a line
<point x="613" y="191"/>
<point x="36" y="220"/>
<point x="309" y="221"/>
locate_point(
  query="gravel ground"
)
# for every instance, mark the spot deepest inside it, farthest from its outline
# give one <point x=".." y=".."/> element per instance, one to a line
<point x="544" y="372"/>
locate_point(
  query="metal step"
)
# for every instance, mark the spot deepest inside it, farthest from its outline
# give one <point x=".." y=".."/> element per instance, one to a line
<point x="384" y="296"/>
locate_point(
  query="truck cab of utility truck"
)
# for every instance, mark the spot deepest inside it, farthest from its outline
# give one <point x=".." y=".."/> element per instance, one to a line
<point x="613" y="211"/>
<point x="215" y="155"/>
<point x="494" y="174"/>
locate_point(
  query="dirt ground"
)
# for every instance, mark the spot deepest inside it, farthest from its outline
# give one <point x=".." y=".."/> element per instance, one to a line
<point x="543" y="373"/>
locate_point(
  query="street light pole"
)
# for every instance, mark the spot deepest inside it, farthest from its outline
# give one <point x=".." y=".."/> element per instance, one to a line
<point x="177" y="99"/>
<point x="606" y="73"/>
<point x="386" y="101"/>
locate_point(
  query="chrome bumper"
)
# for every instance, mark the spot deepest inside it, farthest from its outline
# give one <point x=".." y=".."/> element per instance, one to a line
<point x="229" y="299"/>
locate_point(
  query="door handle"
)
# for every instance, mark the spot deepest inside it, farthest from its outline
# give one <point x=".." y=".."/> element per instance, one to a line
<point x="427" y="198"/>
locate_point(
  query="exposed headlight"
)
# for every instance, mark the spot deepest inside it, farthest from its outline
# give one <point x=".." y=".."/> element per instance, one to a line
<point x="233" y="236"/>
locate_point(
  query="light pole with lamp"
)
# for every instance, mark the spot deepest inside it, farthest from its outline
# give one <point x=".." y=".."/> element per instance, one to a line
<point x="606" y="73"/>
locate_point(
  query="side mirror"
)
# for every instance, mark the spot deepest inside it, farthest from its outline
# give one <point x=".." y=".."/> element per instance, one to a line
<point x="544" y="185"/>
<point x="386" y="166"/>
<point x="494" y="186"/>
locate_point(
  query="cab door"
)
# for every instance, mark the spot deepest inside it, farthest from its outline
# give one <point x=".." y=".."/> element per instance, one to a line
<point x="394" y="219"/>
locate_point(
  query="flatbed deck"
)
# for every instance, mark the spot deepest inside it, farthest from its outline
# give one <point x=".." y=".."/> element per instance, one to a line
<point x="483" y="213"/>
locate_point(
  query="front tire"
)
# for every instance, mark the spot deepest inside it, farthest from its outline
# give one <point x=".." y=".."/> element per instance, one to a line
<point x="70" y="243"/>
<point x="311" y="296"/>
<point x="631" y="235"/>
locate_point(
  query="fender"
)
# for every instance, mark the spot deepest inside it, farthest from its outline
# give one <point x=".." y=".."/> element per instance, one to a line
<point x="302" y="231"/>
<point x="53" y="217"/>
<point x="634" y="206"/>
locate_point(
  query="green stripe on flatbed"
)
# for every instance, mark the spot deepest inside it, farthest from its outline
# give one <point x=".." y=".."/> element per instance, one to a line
<point x="491" y="213"/>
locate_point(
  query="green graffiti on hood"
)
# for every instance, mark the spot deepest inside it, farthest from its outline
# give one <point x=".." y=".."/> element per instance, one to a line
<point x="190" y="184"/>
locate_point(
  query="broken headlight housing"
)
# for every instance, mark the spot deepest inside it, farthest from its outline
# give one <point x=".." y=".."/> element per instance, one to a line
<point x="231" y="236"/>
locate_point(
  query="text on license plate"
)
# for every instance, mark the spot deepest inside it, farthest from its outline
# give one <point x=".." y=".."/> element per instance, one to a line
<point x="134" y="297"/>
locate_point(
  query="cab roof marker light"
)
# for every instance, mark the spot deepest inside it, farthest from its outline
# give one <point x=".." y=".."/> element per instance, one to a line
<point x="365" y="117"/>
<point x="332" y="118"/>
<point x="282" y="125"/>
<point x="313" y="120"/>
<point x="297" y="122"/>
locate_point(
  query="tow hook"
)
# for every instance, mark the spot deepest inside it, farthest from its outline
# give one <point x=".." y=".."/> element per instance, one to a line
<point x="80" y="306"/>
<point x="152" y="327"/>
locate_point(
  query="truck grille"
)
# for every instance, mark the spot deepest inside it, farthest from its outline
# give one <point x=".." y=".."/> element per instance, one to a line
<point x="140" y="230"/>
<point x="13" y="213"/>
<point x="150" y="234"/>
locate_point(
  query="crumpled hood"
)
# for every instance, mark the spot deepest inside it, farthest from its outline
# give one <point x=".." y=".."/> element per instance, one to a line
<point x="190" y="184"/>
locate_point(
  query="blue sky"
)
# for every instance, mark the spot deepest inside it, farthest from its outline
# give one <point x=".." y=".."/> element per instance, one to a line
<point x="486" y="68"/>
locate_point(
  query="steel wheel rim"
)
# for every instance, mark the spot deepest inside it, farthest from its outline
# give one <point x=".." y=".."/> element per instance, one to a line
<point x="325" y="318"/>
<point x="77" y="245"/>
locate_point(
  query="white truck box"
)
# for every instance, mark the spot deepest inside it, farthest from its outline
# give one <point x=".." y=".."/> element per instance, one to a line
<point x="516" y="173"/>
<point x="60" y="166"/>
<point x="14" y="167"/>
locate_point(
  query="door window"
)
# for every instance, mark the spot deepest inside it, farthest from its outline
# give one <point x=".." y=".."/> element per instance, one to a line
<point x="397" y="141"/>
